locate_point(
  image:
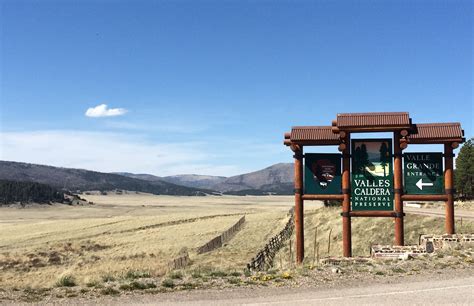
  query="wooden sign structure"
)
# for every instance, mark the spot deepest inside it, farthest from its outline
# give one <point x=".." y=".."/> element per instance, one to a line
<point x="372" y="174"/>
<point x="339" y="134"/>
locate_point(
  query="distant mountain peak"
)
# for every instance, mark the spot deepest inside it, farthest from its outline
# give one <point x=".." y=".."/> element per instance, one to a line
<point x="277" y="178"/>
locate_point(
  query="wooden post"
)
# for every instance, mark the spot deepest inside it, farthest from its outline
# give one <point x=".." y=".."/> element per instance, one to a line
<point x="299" y="217"/>
<point x="449" y="188"/>
<point x="346" y="203"/>
<point x="398" y="187"/>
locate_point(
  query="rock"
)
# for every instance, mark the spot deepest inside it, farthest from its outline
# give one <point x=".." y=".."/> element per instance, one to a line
<point x="429" y="247"/>
<point x="404" y="256"/>
<point x="336" y="270"/>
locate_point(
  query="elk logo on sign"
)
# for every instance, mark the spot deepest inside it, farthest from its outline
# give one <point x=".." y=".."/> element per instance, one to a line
<point x="324" y="172"/>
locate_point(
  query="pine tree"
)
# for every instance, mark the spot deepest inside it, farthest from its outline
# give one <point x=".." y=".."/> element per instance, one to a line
<point x="384" y="156"/>
<point x="364" y="159"/>
<point x="357" y="168"/>
<point x="28" y="192"/>
<point x="464" y="175"/>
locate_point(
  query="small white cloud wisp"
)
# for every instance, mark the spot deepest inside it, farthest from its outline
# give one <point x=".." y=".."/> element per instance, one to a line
<point x="111" y="152"/>
<point x="102" y="110"/>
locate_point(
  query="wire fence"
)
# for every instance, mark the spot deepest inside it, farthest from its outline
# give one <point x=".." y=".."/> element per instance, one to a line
<point x="264" y="258"/>
<point x="219" y="241"/>
<point x="180" y="262"/>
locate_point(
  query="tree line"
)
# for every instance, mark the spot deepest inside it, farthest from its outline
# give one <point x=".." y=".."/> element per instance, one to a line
<point x="28" y="192"/>
<point x="464" y="173"/>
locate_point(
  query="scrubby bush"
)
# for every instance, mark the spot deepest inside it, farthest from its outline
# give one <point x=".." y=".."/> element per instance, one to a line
<point x="167" y="283"/>
<point x="66" y="281"/>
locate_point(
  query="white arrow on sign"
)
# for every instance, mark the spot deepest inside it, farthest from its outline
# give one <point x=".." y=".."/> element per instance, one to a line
<point x="420" y="184"/>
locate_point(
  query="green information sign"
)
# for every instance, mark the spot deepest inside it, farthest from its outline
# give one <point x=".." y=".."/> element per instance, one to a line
<point x="322" y="173"/>
<point x="372" y="174"/>
<point x="423" y="173"/>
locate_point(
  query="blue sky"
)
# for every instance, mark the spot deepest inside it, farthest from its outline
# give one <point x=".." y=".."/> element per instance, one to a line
<point x="209" y="87"/>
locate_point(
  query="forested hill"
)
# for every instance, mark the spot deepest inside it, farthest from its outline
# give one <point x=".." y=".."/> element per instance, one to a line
<point x="28" y="192"/>
<point x="79" y="179"/>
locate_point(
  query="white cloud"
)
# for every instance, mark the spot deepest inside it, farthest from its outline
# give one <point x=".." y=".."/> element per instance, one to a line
<point x="107" y="152"/>
<point x="103" y="111"/>
<point x="163" y="125"/>
<point x="112" y="152"/>
<point x="118" y="152"/>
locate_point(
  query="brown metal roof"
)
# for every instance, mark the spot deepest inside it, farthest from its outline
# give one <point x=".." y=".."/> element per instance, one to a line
<point x="317" y="135"/>
<point x="373" y="121"/>
<point x="436" y="133"/>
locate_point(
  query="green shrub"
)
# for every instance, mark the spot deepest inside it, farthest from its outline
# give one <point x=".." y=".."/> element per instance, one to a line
<point x="398" y="270"/>
<point x="134" y="274"/>
<point x="109" y="291"/>
<point x="95" y="284"/>
<point x="218" y="273"/>
<point x="66" y="281"/>
<point x="150" y="285"/>
<point x="168" y="283"/>
<point x="108" y="278"/>
<point x="125" y="287"/>
<point x="188" y="286"/>
<point x="137" y="285"/>
<point x="235" y="273"/>
<point x="176" y="275"/>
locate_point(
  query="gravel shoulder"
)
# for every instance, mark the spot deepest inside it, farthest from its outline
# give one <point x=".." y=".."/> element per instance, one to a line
<point x="435" y="287"/>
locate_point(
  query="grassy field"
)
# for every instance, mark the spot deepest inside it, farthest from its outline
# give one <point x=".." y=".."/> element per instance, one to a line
<point x="140" y="233"/>
<point x="123" y="233"/>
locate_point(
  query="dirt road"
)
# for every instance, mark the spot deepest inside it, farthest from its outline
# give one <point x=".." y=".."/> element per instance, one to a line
<point x="458" y="214"/>
<point x="427" y="289"/>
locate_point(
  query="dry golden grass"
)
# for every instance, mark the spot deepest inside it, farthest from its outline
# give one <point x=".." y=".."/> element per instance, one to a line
<point x="122" y="233"/>
<point x="141" y="233"/>
<point x="365" y="232"/>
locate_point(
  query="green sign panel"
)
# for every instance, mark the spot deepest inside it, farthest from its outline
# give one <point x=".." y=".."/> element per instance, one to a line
<point x="423" y="173"/>
<point x="322" y="173"/>
<point x="372" y="174"/>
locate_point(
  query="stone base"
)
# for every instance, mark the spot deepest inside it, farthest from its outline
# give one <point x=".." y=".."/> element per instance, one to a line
<point x="340" y="261"/>
<point x="440" y="241"/>
<point x="397" y="252"/>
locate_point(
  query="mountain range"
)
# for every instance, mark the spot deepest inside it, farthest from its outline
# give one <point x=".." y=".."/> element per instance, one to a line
<point x="276" y="179"/>
<point x="79" y="179"/>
